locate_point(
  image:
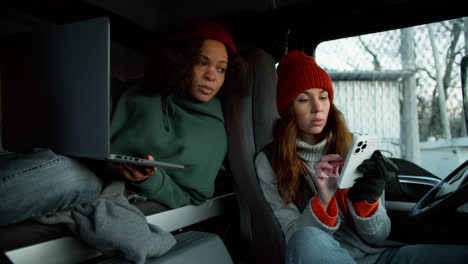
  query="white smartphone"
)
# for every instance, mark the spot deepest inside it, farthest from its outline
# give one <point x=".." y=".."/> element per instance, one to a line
<point x="362" y="148"/>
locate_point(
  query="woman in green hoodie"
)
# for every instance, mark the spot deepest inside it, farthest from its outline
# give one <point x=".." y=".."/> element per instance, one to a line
<point x="173" y="115"/>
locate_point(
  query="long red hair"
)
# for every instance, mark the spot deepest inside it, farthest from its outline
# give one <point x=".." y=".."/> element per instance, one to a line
<point x="286" y="162"/>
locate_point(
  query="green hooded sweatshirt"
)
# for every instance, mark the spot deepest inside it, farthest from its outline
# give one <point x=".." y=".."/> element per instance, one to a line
<point x="173" y="129"/>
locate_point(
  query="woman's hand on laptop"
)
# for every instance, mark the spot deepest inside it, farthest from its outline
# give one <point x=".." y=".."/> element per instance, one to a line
<point x="136" y="173"/>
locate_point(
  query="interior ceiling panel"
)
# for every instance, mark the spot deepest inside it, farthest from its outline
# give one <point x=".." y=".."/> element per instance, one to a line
<point x="261" y="23"/>
<point x="166" y="15"/>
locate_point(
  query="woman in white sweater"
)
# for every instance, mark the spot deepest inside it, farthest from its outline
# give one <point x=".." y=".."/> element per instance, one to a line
<point x="298" y="174"/>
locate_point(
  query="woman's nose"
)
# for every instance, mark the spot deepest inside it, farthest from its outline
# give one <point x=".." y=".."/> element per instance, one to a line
<point x="210" y="74"/>
<point x="315" y="105"/>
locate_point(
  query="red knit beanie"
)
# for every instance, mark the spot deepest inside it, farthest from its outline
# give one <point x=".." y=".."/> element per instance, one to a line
<point x="206" y="29"/>
<point x="298" y="72"/>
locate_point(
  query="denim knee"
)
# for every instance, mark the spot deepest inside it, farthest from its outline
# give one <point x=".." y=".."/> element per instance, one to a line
<point x="309" y="236"/>
<point x="312" y="245"/>
<point x="42" y="182"/>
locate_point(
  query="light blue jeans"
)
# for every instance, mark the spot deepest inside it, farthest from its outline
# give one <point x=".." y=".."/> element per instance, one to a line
<point x="42" y="182"/>
<point x="313" y="245"/>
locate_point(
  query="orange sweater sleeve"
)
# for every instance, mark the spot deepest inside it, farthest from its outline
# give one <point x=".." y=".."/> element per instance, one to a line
<point x="365" y="209"/>
<point x="329" y="216"/>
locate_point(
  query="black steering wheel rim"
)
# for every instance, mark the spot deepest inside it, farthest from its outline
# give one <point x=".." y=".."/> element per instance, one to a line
<point x="429" y="205"/>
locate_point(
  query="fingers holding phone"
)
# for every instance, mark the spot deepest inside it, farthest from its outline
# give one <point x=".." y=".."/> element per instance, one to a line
<point x="136" y="173"/>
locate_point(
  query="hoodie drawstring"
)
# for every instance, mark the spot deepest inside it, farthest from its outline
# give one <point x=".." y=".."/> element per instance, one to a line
<point x="167" y="110"/>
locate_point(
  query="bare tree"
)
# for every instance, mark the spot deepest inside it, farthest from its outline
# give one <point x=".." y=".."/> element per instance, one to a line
<point x="455" y="27"/>
<point x="440" y="85"/>
<point x="438" y="120"/>
<point x="375" y="58"/>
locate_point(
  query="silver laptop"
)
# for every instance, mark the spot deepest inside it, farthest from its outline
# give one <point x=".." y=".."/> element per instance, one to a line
<point x="55" y="88"/>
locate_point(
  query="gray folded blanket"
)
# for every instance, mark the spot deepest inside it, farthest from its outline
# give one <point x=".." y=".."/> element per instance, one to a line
<point x="115" y="227"/>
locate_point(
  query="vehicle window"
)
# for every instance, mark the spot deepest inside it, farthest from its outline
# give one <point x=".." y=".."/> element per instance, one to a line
<point x="404" y="86"/>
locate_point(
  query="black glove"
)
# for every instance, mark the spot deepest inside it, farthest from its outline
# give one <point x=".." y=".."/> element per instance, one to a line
<point x="376" y="171"/>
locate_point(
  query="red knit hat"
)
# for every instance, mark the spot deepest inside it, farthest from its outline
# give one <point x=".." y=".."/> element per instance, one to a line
<point x="206" y="29"/>
<point x="298" y="72"/>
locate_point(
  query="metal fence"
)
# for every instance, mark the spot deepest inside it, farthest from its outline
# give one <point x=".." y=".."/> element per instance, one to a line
<point x="381" y="52"/>
<point x="380" y="115"/>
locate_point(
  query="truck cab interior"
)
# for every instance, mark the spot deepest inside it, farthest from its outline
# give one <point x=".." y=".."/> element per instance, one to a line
<point x="237" y="225"/>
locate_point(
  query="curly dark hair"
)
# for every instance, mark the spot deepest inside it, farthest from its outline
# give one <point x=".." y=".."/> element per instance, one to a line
<point x="170" y="68"/>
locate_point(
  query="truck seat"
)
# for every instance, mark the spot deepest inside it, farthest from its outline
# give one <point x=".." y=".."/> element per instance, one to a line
<point x="249" y="120"/>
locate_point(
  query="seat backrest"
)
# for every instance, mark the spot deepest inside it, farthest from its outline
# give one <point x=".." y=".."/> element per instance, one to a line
<point x="249" y="119"/>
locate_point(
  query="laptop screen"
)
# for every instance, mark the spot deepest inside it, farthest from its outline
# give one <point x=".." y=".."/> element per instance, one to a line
<point x="55" y="89"/>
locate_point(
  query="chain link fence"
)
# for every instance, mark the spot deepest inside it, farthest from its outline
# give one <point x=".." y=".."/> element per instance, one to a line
<point x="381" y="52"/>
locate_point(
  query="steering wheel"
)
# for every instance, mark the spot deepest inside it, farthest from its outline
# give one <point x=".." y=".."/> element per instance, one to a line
<point x="446" y="196"/>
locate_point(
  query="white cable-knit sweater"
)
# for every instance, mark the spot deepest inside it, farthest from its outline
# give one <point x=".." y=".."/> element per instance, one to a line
<point x="372" y="230"/>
